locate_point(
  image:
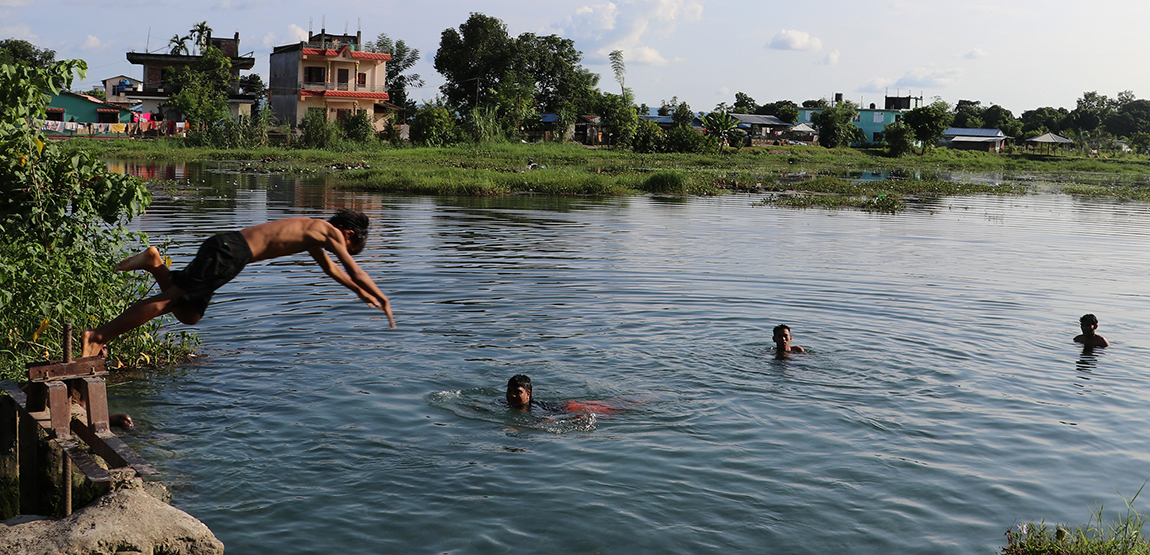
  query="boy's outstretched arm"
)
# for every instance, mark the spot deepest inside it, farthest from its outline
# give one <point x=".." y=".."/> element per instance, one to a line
<point x="359" y="282"/>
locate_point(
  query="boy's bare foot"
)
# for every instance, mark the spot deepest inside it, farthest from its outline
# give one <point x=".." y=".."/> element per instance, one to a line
<point x="150" y="258"/>
<point x="90" y="349"/>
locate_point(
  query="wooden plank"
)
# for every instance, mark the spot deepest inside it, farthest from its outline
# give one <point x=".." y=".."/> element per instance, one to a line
<point x="87" y="366"/>
<point x="83" y="461"/>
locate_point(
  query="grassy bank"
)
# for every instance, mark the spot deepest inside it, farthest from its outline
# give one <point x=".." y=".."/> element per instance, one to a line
<point x="1122" y="537"/>
<point x="799" y="175"/>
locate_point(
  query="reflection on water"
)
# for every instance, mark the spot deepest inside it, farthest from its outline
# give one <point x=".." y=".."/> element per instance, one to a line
<point x="943" y="400"/>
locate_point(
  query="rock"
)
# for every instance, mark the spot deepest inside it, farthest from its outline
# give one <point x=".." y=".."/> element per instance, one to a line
<point x="125" y="521"/>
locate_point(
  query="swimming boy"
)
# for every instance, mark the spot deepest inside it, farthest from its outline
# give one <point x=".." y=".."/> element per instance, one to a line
<point x="782" y="338"/>
<point x="1089" y="339"/>
<point x="186" y="293"/>
<point x="519" y="397"/>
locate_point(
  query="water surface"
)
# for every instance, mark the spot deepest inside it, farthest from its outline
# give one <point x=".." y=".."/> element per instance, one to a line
<point x="941" y="403"/>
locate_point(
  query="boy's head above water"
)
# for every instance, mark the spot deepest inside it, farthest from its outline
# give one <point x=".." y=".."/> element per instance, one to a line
<point x="519" y="391"/>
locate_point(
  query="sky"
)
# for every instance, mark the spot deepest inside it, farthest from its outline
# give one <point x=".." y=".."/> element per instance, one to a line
<point x="1018" y="54"/>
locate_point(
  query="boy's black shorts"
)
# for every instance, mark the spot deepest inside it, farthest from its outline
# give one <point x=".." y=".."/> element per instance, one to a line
<point x="220" y="258"/>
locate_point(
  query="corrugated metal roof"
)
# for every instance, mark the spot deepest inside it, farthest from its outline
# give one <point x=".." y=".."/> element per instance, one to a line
<point x="971" y="132"/>
<point x="663" y="120"/>
<point x="755" y="119"/>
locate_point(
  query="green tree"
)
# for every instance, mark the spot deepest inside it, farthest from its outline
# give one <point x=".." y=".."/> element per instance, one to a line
<point x="899" y="138"/>
<point x="317" y="131"/>
<point x="254" y="85"/>
<point x="648" y="138"/>
<point x="968" y="114"/>
<point x="179" y="45"/>
<point x="744" y="104"/>
<point x="835" y="125"/>
<point x="398" y="81"/>
<point x="929" y="123"/>
<point x="202" y="89"/>
<point x="1140" y="142"/>
<point x="682" y="114"/>
<point x="357" y="126"/>
<point x="16" y="51"/>
<point x="62" y="217"/>
<point x="514" y="102"/>
<point x="1130" y="118"/>
<point x="434" y="125"/>
<point x="719" y="125"/>
<point x="620" y="69"/>
<point x="199" y="35"/>
<point x="472" y="59"/>
<point x="618" y="118"/>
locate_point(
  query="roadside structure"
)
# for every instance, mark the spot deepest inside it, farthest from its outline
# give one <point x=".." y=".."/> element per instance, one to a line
<point x="962" y="138"/>
<point x="156" y="92"/>
<point x="329" y="73"/>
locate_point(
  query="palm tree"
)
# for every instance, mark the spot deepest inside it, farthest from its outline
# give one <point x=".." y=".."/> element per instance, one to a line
<point x="719" y="125"/>
<point x="200" y="32"/>
<point x="620" y="68"/>
<point x="179" y="44"/>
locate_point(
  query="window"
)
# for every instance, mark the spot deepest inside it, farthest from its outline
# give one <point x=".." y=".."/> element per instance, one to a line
<point x="361" y="79"/>
<point x="878" y="117"/>
<point x="314" y="75"/>
<point x="107" y="117"/>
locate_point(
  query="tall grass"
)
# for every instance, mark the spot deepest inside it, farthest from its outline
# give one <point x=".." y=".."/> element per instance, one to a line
<point x="1122" y="537"/>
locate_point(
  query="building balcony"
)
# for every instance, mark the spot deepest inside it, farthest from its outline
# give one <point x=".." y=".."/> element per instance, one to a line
<point x="350" y="87"/>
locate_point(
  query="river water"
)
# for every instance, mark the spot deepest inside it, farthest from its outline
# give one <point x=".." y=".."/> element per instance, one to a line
<point x="941" y="403"/>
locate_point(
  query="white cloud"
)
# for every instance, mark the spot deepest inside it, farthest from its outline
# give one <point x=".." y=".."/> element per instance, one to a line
<point x="91" y="43"/>
<point x="629" y="26"/>
<point x="14" y="3"/>
<point x="270" y="40"/>
<point x="792" y="39"/>
<point x="598" y="17"/>
<point x="876" y="85"/>
<point x="19" y="32"/>
<point x="974" y="54"/>
<point x="296" y="33"/>
<point x="831" y="59"/>
<point x="928" y="78"/>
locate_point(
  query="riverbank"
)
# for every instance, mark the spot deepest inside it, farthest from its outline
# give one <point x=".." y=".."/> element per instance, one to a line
<point x="799" y="175"/>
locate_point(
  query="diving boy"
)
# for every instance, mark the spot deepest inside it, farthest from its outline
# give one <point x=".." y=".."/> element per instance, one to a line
<point x="186" y="293"/>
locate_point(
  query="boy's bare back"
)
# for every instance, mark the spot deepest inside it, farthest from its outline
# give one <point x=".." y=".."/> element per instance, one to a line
<point x="289" y="236"/>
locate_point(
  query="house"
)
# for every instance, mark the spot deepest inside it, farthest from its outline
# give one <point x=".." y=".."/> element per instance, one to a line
<point x="961" y="138"/>
<point x="328" y="73"/>
<point x="70" y="114"/>
<point x="871" y="120"/>
<point x="761" y="129"/>
<point x="156" y="92"/>
<point x="116" y="90"/>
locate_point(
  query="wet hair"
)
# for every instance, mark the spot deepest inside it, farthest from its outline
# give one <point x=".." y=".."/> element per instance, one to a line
<point x="1089" y="320"/>
<point x="356" y="223"/>
<point x="519" y="380"/>
<point x="779" y="329"/>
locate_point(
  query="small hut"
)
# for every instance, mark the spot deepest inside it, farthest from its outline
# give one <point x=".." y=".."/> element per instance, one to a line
<point x="1050" y="139"/>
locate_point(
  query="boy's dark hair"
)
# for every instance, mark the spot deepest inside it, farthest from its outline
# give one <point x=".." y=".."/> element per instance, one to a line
<point x="779" y="329"/>
<point x="519" y="380"/>
<point x="356" y="223"/>
<point x="1089" y="320"/>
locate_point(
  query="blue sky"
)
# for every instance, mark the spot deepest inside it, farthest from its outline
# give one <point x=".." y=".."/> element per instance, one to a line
<point x="1021" y="55"/>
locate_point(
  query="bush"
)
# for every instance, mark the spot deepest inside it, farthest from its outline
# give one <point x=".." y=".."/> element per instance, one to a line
<point x="682" y="138"/>
<point x="61" y="231"/>
<point x="648" y="138"/>
<point x="317" y="131"/>
<point x="667" y="182"/>
<point x="357" y="127"/>
<point x="434" y="125"/>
